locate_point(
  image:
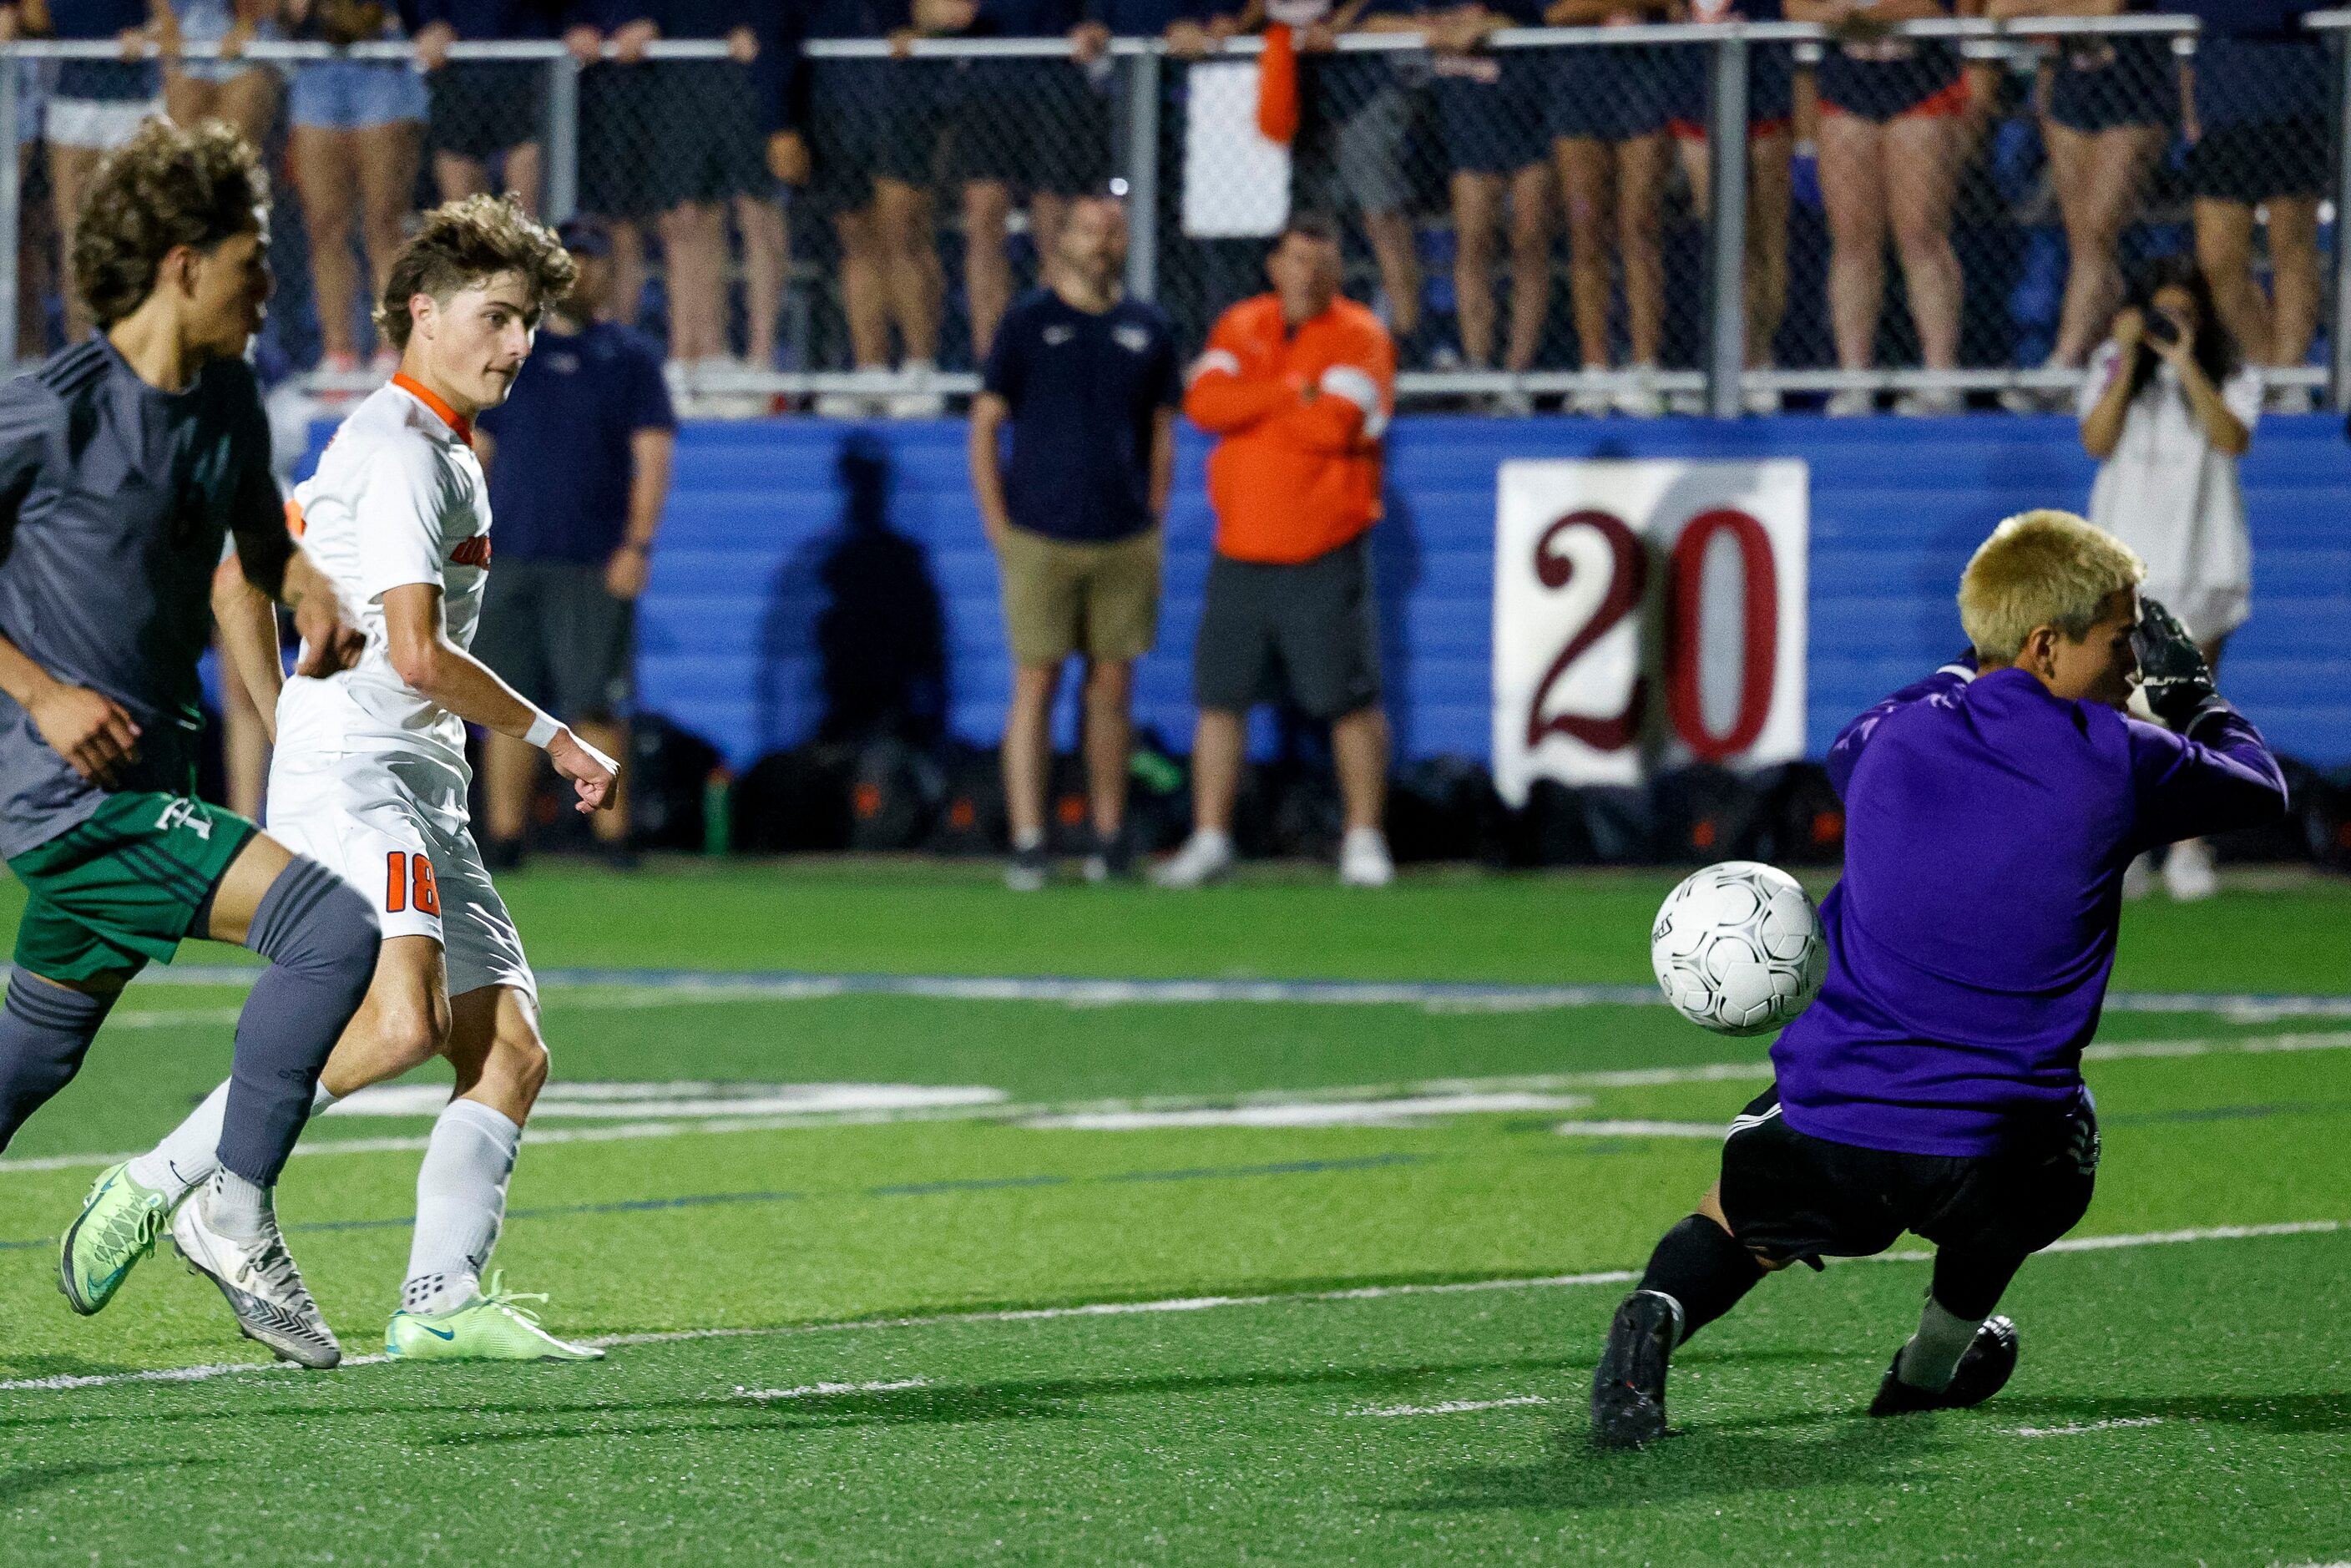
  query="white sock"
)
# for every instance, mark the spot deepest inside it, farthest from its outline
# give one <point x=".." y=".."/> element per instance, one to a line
<point x="1369" y="838"/>
<point x="237" y="1209"/>
<point x="1212" y="838"/>
<point x="1028" y="841"/>
<point x="189" y="1153"/>
<point x="1933" y="1353"/>
<point x="461" y="1200"/>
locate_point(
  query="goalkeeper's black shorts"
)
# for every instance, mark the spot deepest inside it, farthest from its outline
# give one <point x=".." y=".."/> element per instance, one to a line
<point x="1795" y="1198"/>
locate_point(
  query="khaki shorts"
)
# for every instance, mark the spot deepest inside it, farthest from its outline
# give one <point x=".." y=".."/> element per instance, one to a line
<point x="1099" y="599"/>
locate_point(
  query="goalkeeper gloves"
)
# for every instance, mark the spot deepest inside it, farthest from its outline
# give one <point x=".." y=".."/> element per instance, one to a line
<point x="2172" y="674"/>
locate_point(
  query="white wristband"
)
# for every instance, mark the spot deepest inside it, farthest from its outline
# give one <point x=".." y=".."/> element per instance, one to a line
<point x="542" y="730"/>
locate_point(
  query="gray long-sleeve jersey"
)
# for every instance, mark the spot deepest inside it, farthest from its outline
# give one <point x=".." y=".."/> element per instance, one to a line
<point x="114" y="500"/>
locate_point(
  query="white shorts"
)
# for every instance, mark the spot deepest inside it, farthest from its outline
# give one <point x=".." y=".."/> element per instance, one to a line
<point x="100" y="125"/>
<point x="419" y="868"/>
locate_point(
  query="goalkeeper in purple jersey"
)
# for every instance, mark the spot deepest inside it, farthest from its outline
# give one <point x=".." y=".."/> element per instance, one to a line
<point x="1935" y="1085"/>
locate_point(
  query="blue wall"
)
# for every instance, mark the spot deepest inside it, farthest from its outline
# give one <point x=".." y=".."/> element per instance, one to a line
<point x="1897" y="504"/>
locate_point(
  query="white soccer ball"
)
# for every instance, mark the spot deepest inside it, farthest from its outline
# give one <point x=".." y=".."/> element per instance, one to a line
<point x="1738" y="949"/>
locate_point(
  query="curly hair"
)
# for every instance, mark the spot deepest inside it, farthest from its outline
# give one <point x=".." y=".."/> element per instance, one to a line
<point x="464" y="243"/>
<point x="166" y="188"/>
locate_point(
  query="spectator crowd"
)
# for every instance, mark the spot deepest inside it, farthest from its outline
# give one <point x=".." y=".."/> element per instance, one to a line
<point x="1467" y="179"/>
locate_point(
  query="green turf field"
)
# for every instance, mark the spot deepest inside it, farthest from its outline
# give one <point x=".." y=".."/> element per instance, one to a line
<point x="1134" y="1274"/>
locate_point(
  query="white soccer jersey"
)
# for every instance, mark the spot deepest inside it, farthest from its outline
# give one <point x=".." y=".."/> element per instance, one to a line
<point x="369" y="776"/>
<point x="399" y="498"/>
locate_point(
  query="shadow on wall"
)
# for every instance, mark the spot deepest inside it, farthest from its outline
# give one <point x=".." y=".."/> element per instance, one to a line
<point x="853" y="633"/>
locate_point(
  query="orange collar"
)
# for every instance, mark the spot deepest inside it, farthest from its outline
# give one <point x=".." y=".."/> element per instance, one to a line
<point x="456" y="422"/>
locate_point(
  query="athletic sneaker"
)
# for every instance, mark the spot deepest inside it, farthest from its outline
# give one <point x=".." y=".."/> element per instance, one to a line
<point x="261" y="1285"/>
<point x="1204" y="858"/>
<point x="120" y="1223"/>
<point x="1364" y="860"/>
<point x="1937" y="403"/>
<point x="2187" y="873"/>
<point x="844" y="405"/>
<point x="1628" y="1386"/>
<point x="1983" y="1372"/>
<point x="1852" y="403"/>
<point x="490" y="1327"/>
<point x="1641" y="399"/>
<point x="1112" y="860"/>
<point x="1761" y="402"/>
<point x="1590" y="403"/>
<point x="1028" y="870"/>
<point x="921" y="399"/>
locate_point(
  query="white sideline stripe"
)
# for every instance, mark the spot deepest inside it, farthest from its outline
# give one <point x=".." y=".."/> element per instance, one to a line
<point x="1454" y="1406"/>
<point x="657" y="987"/>
<point x="812" y="1390"/>
<point x="1173" y="1304"/>
<point x="2115" y="1425"/>
<point x="1758" y="1072"/>
<point x="1377" y="1112"/>
<point x="1637" y="1129"/>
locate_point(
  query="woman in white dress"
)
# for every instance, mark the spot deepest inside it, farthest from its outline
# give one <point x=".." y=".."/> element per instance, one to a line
<point x="2168" y="408"/>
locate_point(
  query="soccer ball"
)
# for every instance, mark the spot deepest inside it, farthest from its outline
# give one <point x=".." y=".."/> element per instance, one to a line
<point x="1738" y="949"/>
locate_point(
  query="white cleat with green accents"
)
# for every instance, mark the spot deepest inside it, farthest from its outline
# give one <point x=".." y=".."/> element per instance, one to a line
<point x="490" y="1327"/>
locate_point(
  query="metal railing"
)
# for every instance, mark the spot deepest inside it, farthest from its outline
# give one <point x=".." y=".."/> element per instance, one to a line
<point x="1141" y="111"/>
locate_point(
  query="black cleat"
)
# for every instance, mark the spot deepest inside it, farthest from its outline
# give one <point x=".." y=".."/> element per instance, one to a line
<point x="1983" y="1372"/>
<point x="1628" y="1387"/>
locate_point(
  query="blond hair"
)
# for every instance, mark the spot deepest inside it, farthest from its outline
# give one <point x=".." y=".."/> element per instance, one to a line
<point x="2042" y="567"/>
<point x="469" y="242"/>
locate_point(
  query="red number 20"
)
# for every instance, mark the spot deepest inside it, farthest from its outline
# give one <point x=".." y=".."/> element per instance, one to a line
<point x="1627" y="586"/>
<point x="404" y="872"/>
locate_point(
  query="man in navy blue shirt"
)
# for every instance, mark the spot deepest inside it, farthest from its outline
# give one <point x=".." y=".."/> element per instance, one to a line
<point x="1935" y="1085"/>
<point x="1089" y="383"/>
<point x="579" y="460"/>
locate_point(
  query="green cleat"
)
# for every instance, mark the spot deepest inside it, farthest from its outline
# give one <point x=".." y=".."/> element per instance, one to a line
<point x="490" y="1327"/>
<point x="120" y="1223"/>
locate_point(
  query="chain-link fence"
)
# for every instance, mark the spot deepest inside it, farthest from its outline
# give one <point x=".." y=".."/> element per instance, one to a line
<point x="1920" y="215"/>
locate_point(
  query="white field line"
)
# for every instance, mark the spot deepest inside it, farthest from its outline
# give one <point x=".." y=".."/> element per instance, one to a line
<point x="1173" y="1304"/>
<point x="1455" y="1406"/>
<point x="2087" y="1426"/>
<point x="1639" y="1129"/>
<point x="657" y="987"/>
<point x="1372" y="1112"/>
<point x="815" y="1390"/>
<point x="1757" y="1071"/>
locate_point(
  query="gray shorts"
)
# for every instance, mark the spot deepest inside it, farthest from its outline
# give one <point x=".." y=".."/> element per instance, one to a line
<point x="553" y="633"/>
<point x="1309" y="632"/>
<point x="1353" y="159"/>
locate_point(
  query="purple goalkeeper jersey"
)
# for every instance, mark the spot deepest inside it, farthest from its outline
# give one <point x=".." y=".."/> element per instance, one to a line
<point x="1987" y="825"/>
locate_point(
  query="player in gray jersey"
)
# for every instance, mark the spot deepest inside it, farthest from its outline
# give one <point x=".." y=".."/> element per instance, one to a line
<point x="126" y="464"/>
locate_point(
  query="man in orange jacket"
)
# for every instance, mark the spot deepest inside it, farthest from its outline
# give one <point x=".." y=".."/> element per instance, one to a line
<point x="1297" y="385"/>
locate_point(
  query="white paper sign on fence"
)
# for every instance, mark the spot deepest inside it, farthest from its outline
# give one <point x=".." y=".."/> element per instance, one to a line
<point x="1647" y="614"/>
<point x="1236" y="182"/>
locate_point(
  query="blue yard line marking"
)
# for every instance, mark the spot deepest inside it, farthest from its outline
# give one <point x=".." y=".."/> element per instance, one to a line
<point x="1075" y="990"/>
<point x="894" y="1189"/>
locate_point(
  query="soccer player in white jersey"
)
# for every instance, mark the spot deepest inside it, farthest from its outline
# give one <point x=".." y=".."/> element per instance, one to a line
<point x="371" y="777"/>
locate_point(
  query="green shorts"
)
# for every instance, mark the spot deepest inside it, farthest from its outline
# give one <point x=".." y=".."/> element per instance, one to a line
<point x="124" y="886"/>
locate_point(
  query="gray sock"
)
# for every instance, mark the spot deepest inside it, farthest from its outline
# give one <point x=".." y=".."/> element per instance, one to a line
<point x="319" y="934"/>
<point x="44" y="1030"/>
<point x="1933" y="1353"/>
<point x="237" y="1209"/>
